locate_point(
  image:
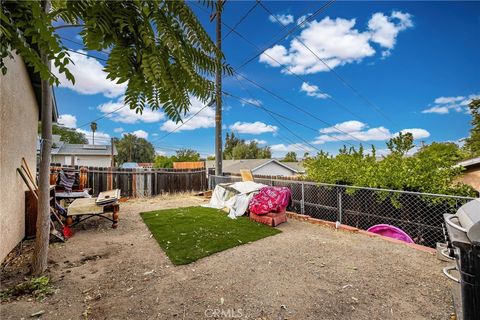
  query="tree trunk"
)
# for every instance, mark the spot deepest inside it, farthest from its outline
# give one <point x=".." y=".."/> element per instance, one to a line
<point x="218" y="95"/>
<point x="40" y="254"/>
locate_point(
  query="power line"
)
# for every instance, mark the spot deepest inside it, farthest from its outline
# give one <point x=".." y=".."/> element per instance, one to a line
<point x="184" y="123"/>
<point x="292" y="30"/>
<point x="339" y="104"/>
<point x="101" y="117"/>
<point x="269" y="111"/>
<point x="87" y="55"/>
<point x="344" y="82"/>
<point x="296" y="106"/>
<point x="241" y="19"/>
<point x="81" y="44"/>
<point x="274" y="94"/>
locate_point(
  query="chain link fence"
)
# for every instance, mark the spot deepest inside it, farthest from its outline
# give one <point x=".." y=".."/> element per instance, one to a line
<point x="420" y="215"/>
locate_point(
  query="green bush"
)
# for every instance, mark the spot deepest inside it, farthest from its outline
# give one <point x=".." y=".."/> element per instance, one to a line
<point x="430" y="170"/>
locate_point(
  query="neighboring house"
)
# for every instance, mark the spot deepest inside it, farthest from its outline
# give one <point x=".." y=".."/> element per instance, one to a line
<point x="471" y="175"/>
<point x="20" y="101"/>
<point x="87" y="155"/>
<point x="266" y="167"/>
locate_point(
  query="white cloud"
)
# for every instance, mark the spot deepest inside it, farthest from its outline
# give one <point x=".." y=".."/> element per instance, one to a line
<point x="118" y="130"/>
<point x="118" y="113"/>
<point x="337" y="42"/>
<point x="416" y="132"/>
<point x="443" y="105"/>
<point x="296" y="147"/>
<point x="160" y="152"/>
<point x="100" y="137"/>
<point x="260" y="142"/>
<point x="256" y="127"/>
<point x="313" y="91"/>
<point x="437" y="109"/>
<point x="356" y="130"/>
<point x="283" y="19"/>
<point x="384" y="29"/>
<point x="67" y="120"/>
<point x="347" y="126"/>
<point x="302" y="19"/>
<point x="204" y="119"/>
<point x="89" y="77"/>
<point x="250" y="101"/>
<point x="443" y="100"/>
<point x="140" y="134"/>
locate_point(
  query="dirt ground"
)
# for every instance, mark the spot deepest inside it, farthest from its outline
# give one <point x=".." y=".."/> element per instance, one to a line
<point x="306" y="272"/>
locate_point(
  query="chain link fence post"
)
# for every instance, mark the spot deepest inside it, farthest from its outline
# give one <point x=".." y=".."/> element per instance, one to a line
<point x="339" y="195"/>
<point x="302" y="202"/>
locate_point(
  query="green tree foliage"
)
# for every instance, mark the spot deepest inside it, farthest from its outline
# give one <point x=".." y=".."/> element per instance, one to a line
<point x="401" y="144"/>
<point x="430" y="170"/>
<point x="134" y="149"/>
<point x="211" y="158"/>
<point x="472" y="143"/>
<point x="184" y="155"/>
<point x="442" y="153"/>
<point x="26" y="29"/>
<point x="290" y="157"/>
<point x="236" y="148"/>
<point x="163" y="162"/>
<point x="67" y="135"/>
<point x="158" y="47"/>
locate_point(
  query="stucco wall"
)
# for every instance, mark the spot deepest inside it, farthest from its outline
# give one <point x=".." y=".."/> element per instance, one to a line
<point x="471" y="177"/>
<point x="273" y="169"/>
<point x="18" y="134"/>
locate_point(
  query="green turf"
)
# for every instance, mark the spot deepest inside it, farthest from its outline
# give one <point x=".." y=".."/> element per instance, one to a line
<point x="188" y="234"/>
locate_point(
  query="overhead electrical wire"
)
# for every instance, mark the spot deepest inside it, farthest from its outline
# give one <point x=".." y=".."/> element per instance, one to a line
<point x="271" y="113"/>
<point x="241" y="19"/>
<point x="276" y="95"/>
<point x="337" y="75"/>
<point x="339" y="104"/>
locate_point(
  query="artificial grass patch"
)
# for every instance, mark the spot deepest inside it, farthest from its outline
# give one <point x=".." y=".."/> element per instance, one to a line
<point x="188" y="234"/>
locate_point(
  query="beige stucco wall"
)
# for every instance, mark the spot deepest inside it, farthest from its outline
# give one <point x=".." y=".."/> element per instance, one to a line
<point x="471" y="177"/>
<point x="18" y="134"/>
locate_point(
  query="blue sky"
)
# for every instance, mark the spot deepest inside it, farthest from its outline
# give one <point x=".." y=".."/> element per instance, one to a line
<point x="403" y="65"/>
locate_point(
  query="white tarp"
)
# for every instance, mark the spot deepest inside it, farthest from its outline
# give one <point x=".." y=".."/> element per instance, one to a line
<point x="234" y="196"/>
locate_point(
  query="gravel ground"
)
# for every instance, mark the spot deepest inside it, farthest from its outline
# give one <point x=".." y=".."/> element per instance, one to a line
<point x="306" y="272"/>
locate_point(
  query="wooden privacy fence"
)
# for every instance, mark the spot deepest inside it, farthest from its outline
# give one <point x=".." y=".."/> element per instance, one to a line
<point x="144" y="182"/>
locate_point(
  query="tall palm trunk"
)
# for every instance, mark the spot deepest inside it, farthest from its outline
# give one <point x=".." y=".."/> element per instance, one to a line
<point x="40" y="254"/>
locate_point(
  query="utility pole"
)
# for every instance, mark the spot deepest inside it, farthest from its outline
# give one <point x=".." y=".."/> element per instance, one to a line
<point x="112" y="157"/>
<point x="218" y="93"/>
<point x="40" y="253"/>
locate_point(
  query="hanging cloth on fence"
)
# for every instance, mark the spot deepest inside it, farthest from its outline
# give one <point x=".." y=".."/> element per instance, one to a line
<point x="67" y="179"/>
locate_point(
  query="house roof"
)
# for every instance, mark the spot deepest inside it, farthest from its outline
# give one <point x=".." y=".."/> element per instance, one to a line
<point x="234" y="166"/>
<point x="84" y="149"/>
<point x="469" y="162"/>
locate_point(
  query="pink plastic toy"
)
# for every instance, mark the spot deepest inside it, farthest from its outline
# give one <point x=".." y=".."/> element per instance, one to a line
<point x="391" y="232"/>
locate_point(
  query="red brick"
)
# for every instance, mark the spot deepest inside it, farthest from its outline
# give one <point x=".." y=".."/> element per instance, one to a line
<point x="422" y="248"/>
<point x="302" y="217"/>
<point x="348" y="228"/>
<point x="367" y="233"/>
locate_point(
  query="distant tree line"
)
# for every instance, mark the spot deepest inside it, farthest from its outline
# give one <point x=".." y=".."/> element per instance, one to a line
<point x="236" y="148"/>
<point x="182" y="155"/>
